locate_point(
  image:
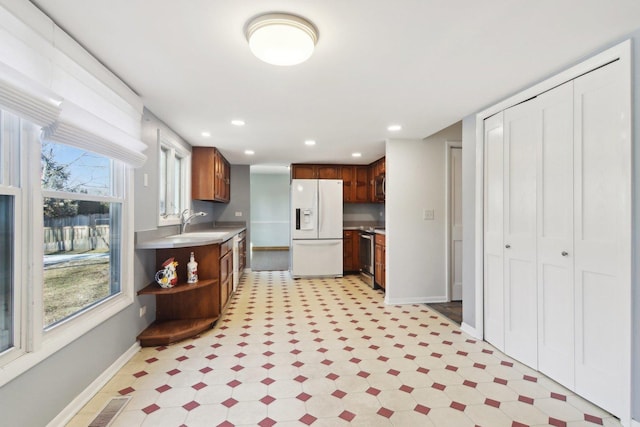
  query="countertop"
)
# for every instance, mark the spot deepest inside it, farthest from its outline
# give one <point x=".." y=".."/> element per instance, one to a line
<point x="210" y="236"/>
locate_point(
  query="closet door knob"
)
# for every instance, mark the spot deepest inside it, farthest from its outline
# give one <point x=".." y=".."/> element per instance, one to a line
<point x="507" y="246"/>
<point x="565" y="253"/>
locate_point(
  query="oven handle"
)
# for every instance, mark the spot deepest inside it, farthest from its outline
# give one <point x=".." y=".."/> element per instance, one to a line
<point x="366" y="236"/>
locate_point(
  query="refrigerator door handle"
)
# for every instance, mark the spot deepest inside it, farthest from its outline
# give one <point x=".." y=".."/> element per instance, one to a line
<point x="320" y="211"/>
<point x="298" y="219"/>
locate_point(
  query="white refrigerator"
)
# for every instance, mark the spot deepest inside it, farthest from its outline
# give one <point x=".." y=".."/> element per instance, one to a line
<point x="316" y="227"/>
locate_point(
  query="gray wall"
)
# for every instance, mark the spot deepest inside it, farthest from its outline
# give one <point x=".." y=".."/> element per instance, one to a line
<point x="468" y="193"/>
<point x="468" y="221"/>
<point x="363" y="212"/>
<point x="270" y="213"/>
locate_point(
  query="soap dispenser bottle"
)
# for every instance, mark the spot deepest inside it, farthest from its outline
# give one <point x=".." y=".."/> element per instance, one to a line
<point x="192" y="270"/>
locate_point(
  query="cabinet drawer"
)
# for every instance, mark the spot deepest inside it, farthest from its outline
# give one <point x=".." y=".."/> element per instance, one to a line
<point x="226" y="247"/>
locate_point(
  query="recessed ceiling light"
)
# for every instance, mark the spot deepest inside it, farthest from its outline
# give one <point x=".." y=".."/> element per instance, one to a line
<point x="249" y="152"/>
<point x="281" y="38"/>
<point x="237" y="122"/>
<point x="394" y="128"/>
<point x="309" y="142"/>
<point x="356" y="154"/>
<point x="206" y="134"/>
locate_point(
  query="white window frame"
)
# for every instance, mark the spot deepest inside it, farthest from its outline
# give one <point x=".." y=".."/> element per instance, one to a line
<point x="174" y="151"/>
<point x="36" y="343"/>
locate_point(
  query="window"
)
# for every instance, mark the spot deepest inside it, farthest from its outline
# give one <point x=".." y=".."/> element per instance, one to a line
<point x="82" y="213"/>
<point x="174" y="189"/>
<point x="6" y="273"/>
<point x="10" y="303"/>
<point x="63" y="209"/>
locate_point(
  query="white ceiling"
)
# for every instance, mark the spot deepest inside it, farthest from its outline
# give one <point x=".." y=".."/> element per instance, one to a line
<point x="424" y="64"/>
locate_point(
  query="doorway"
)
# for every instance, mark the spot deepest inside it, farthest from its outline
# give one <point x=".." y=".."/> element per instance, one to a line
<point x="454" y="220"/>
<point x="269" y="246"/>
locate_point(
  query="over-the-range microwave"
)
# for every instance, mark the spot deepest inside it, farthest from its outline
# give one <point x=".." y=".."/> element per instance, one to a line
<point x="380" y="187"/>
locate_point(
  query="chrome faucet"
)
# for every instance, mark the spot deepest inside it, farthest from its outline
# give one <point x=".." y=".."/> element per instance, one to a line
<point x="186" y="216"/>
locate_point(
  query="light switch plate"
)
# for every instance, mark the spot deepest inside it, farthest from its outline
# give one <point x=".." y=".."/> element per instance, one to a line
<point x="428" y="214"/>
<point x="238" y="213"/>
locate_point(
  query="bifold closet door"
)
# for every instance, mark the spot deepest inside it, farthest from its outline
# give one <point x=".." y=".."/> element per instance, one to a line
<point x="522" y="132"/>
<point x="493" y="231"/>
<point x="555" y="236"/>
<point x="602" y="236"/>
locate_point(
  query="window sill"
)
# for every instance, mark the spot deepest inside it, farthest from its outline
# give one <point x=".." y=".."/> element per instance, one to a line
<point x="63" y="334"/>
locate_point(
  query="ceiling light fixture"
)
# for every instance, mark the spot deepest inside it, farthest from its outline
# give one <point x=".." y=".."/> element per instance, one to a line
<point x="356" y="154"/>
<point x="281" y="38"/>
<point x="249" y="152"/>
<point x="309" y="142"/>
<point x="394" y="128"/>
<point x="237" y="122"/>
<point x="206" y="134"/>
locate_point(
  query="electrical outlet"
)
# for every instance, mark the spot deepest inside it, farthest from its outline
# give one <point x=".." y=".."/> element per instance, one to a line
<point x="238" y="213"/>
<point x="143" y="310"/>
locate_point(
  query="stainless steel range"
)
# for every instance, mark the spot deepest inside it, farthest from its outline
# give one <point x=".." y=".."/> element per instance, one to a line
<point x="367" y="244"/>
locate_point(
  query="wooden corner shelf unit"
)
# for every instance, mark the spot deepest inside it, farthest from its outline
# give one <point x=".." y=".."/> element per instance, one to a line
<point x="186" y="309"/>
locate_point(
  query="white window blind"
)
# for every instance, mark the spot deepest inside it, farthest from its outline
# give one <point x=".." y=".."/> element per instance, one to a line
<point x="79" y="128"/>
<point x="26" y="98"/>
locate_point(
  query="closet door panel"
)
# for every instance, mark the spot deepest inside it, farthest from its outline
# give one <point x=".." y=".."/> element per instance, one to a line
<point x="602" y="168"/>
<point x="493" y="232"/>
<point x="521" y="137"/>
<point x="555" y="236"/>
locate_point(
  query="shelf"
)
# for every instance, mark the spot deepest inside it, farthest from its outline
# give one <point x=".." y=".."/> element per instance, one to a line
<point x="170" y="331"/>
<point x="155" y="289"/>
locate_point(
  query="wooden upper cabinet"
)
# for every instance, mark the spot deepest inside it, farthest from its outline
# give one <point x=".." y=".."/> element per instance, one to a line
<point x="355" y="181"/>
<point x="210" y="175"/>
<point x="303" y="171"/>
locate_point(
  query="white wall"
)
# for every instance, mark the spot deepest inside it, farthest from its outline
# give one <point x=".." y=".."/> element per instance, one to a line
<point x="416" y="180"/>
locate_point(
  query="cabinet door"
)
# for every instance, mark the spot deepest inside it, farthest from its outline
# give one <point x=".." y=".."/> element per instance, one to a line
<point x="348" y="183"/>
<point x="303" y="172"/>
<point x="377" y="269"/>
<point x="328" y="172"/>
<point x="360" y="184"/>
<point x="347" y="250"/>
<point x="202" y="173"/>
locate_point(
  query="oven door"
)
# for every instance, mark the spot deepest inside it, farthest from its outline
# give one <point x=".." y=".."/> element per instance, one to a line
<point x="366" y="253"/>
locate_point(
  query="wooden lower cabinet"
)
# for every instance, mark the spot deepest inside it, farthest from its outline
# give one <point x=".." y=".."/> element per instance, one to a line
<point x="380" y="266"/>
<point x="226" y="272"/>
<point x="351" y="251"/>
<point x="242" y="255"/>
<point x="186" y="309"/>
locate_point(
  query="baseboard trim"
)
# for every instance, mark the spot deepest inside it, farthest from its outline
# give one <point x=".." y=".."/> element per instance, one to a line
<point x="635" y="423"/>
<point x="87" y="394"/>
<point x="470" y="330"/>
<point x="269" y="248"/>
<point x="416" y="300"/>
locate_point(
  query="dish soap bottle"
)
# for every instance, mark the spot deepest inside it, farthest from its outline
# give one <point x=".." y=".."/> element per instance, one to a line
<point x="192" y="270"/>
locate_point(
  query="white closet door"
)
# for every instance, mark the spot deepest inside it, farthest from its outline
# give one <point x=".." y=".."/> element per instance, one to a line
<point x="493" y="232"/>
<point x="603" y="236"/>
<point x="521" y="137"/>
<point x="455" y="244"/>
<point x="555" y="236"/>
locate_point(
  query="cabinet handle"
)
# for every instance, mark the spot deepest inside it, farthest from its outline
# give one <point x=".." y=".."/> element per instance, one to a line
<point x="507" y="246"/>
<point x="565" y="253"/>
